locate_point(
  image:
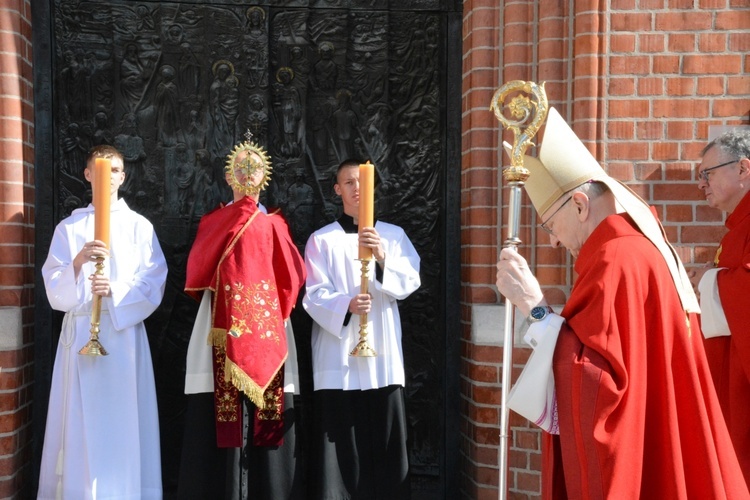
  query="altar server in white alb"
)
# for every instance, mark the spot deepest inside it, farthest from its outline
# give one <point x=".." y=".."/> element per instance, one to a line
<point x="102" y="435"/>
<point x="359" y="422"/>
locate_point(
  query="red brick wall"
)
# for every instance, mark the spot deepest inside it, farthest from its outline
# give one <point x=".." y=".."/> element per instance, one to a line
<point x="16" y="244"/>
<point x="640" y="83"/>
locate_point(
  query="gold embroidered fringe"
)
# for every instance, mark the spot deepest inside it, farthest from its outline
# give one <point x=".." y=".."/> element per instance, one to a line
<point x="217" y="337"/>
<point x="233" y="373"/>
<point x="242" y="382"/>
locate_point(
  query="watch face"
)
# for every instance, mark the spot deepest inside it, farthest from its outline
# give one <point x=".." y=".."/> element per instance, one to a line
<point x="538" y="312"/>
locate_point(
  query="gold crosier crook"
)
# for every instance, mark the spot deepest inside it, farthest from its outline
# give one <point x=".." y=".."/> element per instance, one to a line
<point x="534" y="111"/>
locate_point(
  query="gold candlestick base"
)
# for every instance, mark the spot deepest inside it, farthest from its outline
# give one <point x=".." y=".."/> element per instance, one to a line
<point x="363" y="348"/>
<point x="93" y="348"/>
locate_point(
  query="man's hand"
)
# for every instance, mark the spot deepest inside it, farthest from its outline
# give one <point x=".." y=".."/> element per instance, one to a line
<point x="516" y="283"/>
<point x="100" y="285"/>
<point x="696" y="275"/>
<point x="370" y="238"/>
<point x="360" y="304"/>
<point x="90" y="252"/>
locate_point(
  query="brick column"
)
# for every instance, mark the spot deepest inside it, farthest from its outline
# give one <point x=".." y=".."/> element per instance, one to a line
<point x="16" y="245"/>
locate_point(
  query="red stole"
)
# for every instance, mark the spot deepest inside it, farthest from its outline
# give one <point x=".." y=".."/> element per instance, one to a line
<point x="248" y="261"/>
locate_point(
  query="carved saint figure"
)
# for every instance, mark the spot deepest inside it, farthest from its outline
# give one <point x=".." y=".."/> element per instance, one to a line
<point x="167" y="106"/>
<point x="325" y="71"/>
<point x="132" y="77"/>
<point x="130" y="144"/>
<point x="288" y="107"/>
<point x="224" y="107"/>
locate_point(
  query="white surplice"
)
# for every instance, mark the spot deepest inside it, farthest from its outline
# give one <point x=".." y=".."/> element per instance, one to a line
<point x="333" y="278"/>
<point x="102" y="434"/>
<point x="713" y="318"/>
<point x="534" y="396"/>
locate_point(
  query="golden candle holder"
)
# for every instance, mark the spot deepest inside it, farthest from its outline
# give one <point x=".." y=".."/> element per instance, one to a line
<point x="93" y="347"/>
<point x="363" y="349"/>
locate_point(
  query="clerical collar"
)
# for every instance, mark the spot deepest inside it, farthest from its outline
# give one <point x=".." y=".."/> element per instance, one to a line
<point x="347" y="223"/>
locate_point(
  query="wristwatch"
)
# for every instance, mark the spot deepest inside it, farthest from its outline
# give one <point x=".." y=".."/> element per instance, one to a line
<point x="538" y="313"/>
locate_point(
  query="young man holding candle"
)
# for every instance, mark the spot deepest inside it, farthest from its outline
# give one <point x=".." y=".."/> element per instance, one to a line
<point x="359" y="422"/>
<point x="102" y="435"/>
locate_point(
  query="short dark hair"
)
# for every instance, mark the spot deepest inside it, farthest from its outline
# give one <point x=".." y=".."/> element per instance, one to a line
<point x="348" y="163"/>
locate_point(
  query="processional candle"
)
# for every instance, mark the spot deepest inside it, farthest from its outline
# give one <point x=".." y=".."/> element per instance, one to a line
<point x="366" y="203"/>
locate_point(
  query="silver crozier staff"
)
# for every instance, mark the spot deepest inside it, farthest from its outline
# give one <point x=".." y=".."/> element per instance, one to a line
<point x="530" y="114"/>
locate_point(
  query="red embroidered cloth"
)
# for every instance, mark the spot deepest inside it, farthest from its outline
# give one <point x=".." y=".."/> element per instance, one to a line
<point x="248" y="260"/>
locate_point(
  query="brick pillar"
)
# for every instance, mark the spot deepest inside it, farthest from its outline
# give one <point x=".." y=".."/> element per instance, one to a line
<point x="480" y="235"/>
<point x="16" y="245"/>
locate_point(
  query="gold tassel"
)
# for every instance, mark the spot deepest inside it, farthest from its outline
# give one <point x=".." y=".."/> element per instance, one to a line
<point x="218" y="337"/>
<point x="244" y="383"/>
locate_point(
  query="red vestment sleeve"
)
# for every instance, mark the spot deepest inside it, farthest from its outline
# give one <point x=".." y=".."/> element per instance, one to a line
<point x="216" y="229"/>
<point x="288" y="265"/>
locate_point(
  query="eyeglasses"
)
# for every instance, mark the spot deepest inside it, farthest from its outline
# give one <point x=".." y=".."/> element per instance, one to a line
<point x="543" y="225"/>
<point x="703" y="174"/>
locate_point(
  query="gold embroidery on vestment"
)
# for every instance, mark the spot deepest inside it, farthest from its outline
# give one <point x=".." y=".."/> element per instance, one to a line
<point x="272" y="399"/>
<point x="226" y="403"/>
<point x="252" y="309"/>
<point x="243" y="382"/>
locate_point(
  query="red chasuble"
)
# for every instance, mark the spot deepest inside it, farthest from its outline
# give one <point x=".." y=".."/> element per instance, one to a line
<point x="249" y="262"/>
<point x="729" y="357"/>
<point x="638" y="414"/>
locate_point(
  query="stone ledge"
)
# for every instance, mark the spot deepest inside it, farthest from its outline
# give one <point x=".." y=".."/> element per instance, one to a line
<point x="11" y="328"/>
<point x="488" y="324"/>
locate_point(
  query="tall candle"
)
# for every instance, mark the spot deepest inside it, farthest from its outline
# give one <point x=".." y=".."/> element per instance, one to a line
<point x="366" y="202"/>
<point x="102" y="198"/>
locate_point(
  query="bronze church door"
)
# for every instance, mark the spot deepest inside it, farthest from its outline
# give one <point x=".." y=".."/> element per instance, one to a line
<point x="175" y="85"/>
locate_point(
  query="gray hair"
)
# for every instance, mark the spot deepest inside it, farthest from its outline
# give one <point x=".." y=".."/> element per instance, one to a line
<point x="735" y="142"/>
<point x="591" y="188"/>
